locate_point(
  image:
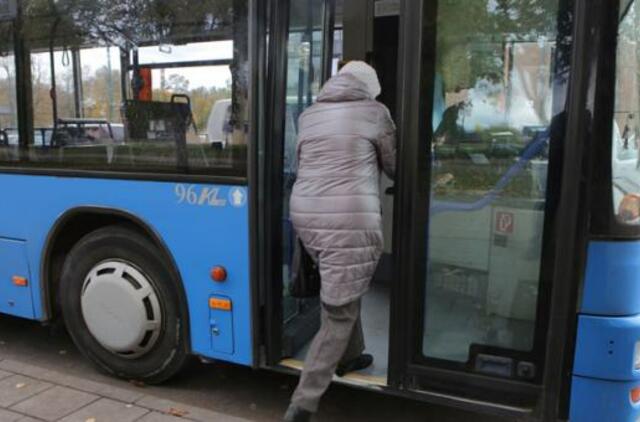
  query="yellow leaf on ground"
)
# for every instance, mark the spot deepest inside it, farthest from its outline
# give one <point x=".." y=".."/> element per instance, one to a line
<point x="177" y="412"/>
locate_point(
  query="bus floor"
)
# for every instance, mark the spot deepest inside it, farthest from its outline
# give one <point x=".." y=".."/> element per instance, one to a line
<point x="375" y="324"/>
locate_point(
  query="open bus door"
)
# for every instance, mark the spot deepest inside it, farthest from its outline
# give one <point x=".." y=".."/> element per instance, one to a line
<point x="300" y="53"/>
<point x="483" y="106"/>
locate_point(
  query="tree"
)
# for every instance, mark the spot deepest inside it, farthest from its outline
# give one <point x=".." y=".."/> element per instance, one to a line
<point x="471" y="35"/>
<point x="102" y="94"/>
<point x="177" y="84"/>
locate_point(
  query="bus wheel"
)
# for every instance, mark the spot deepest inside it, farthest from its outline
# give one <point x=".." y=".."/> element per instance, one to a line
<point x="119" y="301"/>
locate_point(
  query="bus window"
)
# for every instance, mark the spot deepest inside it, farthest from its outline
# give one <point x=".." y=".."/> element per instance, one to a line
<point x="493" y="109"/>
<point x="41" y="86"/>
<point x="207" y="86"/>
<point x="92" y="61"/>
<point x="101" y="83"/>
<point x="8" y="106"/>
<point x="626" y="131"/>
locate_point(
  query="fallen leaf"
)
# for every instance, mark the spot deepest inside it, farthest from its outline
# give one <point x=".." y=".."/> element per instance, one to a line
<point x="63" y="352"/>
<point x="137" y="383"/>
<point x="177" y="412"/>
<point x="21" y="385"/>
<point x="91" y="420"/>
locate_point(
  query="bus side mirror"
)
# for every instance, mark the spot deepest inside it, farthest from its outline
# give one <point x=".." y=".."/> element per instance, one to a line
<point x="8" y="10"/>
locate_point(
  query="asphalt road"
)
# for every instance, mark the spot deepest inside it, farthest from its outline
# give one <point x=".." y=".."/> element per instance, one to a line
<point x="257" y="395"/>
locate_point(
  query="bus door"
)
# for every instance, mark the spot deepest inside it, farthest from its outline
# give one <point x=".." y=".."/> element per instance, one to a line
<point x="483" y="97"/>
<point x="319" y="34"/>
<point x="300" y="61"/>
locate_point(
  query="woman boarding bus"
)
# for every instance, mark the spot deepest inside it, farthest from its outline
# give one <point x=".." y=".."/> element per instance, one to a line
<point x="507" y="282"/>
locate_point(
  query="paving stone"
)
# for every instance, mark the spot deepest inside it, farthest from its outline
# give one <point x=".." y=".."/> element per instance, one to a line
<point x="106" y="390"/>
<point x="159" y="417"/>
<point x="5" y="374"/>
<point x="17" y="388"/>
<point x="194" y="413"/>
<point x="21" y="368"/>
<point x="29" y="419"/>
<point x="106" y="410"/>
<point x="117" y="393"/>
<point x="7" y="416"/>
<point x="55" y="403"/>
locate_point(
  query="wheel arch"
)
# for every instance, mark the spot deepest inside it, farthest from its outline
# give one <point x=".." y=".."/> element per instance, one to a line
<point x="80" y="221"/>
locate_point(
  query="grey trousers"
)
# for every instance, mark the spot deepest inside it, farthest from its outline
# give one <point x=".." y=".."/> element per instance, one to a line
<point x="339" y="339"/>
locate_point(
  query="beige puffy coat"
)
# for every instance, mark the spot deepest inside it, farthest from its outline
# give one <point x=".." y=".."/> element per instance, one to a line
<point x="344" y="141"/>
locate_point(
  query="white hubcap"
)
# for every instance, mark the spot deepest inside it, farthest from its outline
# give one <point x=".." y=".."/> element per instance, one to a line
<point x="121" y="309"/>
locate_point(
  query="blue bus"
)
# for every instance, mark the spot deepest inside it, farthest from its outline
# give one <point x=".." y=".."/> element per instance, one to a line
<point x="147" y="154"/>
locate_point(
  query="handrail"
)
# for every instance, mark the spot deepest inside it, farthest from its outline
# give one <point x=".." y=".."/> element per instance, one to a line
<point x="535" y="147"/>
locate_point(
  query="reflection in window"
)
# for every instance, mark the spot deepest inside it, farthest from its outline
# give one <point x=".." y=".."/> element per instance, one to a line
<point x="626" y="130"/>
<point x="124" y="86"/>
<point x="493" y="107"/>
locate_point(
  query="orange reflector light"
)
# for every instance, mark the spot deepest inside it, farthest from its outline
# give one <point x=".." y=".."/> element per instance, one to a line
<point x="219" y="274"/>
<point x="635" y="395"/>
<point x="220" y="304"/>
<point x="20" y="281"/>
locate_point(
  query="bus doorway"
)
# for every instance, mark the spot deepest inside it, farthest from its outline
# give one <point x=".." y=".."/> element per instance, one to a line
<point x="320" y="35"/>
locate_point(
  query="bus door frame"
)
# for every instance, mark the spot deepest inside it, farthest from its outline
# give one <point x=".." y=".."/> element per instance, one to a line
<point x="270" y="316"/>
<point x="592" y="30"/>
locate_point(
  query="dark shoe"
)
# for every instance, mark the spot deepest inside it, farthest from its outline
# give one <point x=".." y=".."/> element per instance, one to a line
<point x="297" y="414"/>
<point x="361" y="362"/>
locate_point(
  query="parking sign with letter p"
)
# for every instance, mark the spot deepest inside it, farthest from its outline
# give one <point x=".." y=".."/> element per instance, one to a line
<point x="505" y="222"/>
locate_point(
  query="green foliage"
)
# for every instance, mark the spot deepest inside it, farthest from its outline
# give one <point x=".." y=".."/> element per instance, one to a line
<point x="473" y="181"/>
<point x="124" y="22"/>
<point x="472" y="33"/>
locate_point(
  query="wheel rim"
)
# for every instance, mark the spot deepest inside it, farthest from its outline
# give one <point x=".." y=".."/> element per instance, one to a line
<point x="121" y="309"/>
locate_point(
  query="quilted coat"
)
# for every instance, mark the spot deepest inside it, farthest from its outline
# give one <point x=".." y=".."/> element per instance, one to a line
<point x="344" y="141"/>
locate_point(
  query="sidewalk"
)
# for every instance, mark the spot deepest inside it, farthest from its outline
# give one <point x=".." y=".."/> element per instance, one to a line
<point x="29" y="393"/>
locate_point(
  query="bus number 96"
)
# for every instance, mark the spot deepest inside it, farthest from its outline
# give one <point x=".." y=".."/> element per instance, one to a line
<point x="200" y="196"/>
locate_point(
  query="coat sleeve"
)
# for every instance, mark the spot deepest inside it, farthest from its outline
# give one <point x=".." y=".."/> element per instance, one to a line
<point x="386" y="142"/>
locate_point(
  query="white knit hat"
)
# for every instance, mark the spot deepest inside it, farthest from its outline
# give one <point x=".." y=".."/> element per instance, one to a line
<point x="366" y="74"/>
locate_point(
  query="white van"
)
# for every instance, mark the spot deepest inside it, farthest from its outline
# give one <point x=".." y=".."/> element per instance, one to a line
<point x="218" y="125"/>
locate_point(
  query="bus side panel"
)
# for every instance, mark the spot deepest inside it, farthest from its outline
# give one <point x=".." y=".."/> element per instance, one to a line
<point x="594" y="400"/>
<point x="201" y="225"/>
<point x="606" y="366"/>
<point x="15" y="276"/>
<point x="612" y="283"/>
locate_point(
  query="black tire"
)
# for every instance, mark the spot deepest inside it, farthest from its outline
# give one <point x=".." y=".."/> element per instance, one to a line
<point x="170" y="350"/>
